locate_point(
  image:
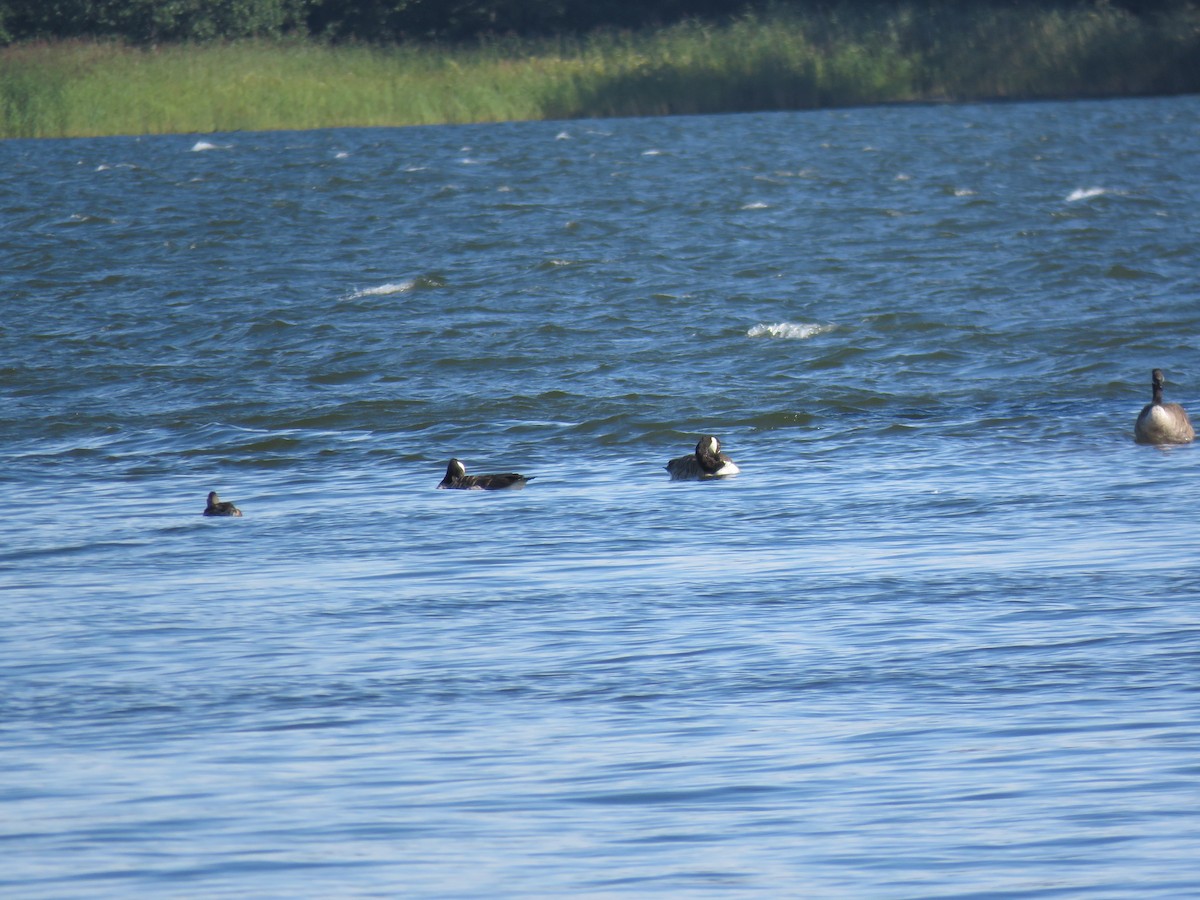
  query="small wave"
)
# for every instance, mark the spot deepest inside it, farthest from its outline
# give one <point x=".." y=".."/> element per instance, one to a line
<point x="557" y="263"/>
<point x="87" y="219"/>
<point x="382" y="290"/>
<point x="789" y="330"/>
<point x="1085" y="194"/>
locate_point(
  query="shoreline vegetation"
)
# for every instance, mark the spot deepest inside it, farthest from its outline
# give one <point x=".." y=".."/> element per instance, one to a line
<point x="770" y="61"/>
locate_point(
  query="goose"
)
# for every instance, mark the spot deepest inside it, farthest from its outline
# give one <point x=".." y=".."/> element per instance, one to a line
<point x="1162" y="423"/>
<point x="458" y="479"/>
<point x="707" y="462"/>
<point x="217" y="508"/>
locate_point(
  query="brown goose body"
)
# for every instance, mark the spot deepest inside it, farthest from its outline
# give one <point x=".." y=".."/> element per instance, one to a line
<point x="1162" y="423"/>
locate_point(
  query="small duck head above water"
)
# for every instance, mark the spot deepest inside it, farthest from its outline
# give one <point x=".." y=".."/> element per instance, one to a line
<point x="458" y="479"/>
<point x="1162" y="423"/>
<point x="706" y="462"/>
<point x="216" y="507"/>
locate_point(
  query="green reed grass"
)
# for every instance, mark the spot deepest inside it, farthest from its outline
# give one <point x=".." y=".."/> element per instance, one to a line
<point x="778" y="61"/>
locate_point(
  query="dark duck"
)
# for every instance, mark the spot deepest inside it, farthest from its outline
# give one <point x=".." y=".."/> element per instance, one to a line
<point x="707" y="462"/>
<point x="458" y="479"/>
<point x="217" y="507"/>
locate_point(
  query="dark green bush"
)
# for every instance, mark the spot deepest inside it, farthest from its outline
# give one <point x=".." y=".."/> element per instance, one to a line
<point x="150" y="21"/>
<point x="387" y="21"/>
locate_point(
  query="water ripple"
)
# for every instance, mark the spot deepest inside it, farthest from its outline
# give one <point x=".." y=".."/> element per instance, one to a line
<point x="935" y="638"/>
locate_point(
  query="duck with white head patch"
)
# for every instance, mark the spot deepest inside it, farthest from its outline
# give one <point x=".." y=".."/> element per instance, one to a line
<point x="706" y="462"/>
<point x="1162" y="423"/>
<point x="218" y="507"/>
<point x="458" y="479"/>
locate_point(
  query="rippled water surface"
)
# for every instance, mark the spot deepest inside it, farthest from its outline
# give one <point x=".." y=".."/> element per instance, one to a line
<point x="939" y="638"/>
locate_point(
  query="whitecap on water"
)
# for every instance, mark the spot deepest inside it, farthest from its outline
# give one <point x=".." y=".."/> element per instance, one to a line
<point x="392" y="287"/>
<point x="789" y="330"/>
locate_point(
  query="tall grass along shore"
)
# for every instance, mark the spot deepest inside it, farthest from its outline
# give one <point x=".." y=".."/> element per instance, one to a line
<point x="778" y="61"/>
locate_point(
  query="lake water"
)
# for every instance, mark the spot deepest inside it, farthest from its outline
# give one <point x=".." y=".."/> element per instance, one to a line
<point x="939" y="638"/>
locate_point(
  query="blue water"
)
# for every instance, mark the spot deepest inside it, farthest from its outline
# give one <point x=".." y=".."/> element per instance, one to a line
<point x="939" y="638"/>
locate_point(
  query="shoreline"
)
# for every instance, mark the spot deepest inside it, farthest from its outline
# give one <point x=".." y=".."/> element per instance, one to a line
<point x="881" y="104"/>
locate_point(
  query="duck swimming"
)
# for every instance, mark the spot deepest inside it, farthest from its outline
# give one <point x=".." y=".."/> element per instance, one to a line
<point x="707" y="462"/>
<point x="458" y="479"/>
<point x="1162" y="423"/>
<point x="216" y="507"/>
